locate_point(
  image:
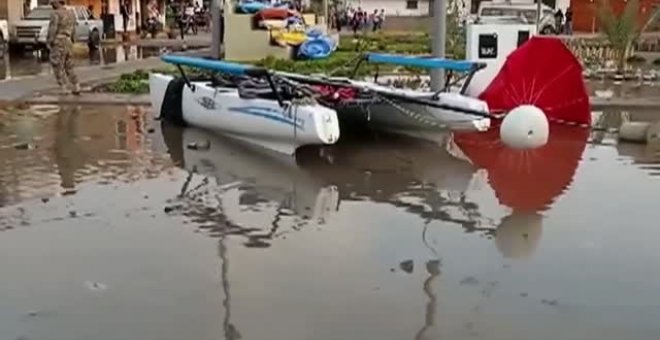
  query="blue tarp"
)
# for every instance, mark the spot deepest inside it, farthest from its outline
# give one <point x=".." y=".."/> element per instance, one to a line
<point x="421" y="62"/>
<point x="318" y="47"/>
<point x="206" y="64"/>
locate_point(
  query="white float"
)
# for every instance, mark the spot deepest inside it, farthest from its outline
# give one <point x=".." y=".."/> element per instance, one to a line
<point x="525" y="127"/>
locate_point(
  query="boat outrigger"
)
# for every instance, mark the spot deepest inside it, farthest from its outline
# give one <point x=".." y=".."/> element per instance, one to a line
<point x="404" y="110"/>
<point x="249" y="103"/>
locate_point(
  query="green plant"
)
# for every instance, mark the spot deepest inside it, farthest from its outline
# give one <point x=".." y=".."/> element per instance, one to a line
<point x="622" y="31"/>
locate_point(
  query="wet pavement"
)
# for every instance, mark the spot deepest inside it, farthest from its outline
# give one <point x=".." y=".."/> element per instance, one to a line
<point x="19" y="65"/>
<point x="112" y="228"/>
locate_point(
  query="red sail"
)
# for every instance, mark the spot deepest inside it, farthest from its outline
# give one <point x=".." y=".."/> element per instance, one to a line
<point x="545" y="73"/>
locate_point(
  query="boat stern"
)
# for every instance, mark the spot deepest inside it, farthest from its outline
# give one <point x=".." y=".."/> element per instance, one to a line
<point x="158" y="84"/>
<point x="324" y="121"/>
<point x="456" y="120"/>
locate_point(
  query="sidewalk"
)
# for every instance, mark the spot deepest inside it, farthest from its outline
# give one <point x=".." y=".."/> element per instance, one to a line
<point x="202" y="39"/>
<point x="24" y="88"/>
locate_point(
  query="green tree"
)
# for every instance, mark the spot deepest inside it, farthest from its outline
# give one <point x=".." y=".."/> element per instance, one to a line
<point x="622" y="31"/>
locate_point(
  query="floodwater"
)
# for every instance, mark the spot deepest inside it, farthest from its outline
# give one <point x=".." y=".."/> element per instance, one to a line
<point x="13" y="66"/>
<point x="112" y="228"/>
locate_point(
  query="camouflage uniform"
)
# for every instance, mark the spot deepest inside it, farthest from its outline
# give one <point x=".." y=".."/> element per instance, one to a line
<point x="60" y="41"/>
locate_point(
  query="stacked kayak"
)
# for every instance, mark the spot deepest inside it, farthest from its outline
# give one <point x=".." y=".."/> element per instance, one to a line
<point x="317" y="46"/>
<point x="252" y="6"/>
<point x="277" y="18"/>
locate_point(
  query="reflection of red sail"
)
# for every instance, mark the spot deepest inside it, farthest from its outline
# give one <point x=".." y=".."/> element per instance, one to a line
<point x="526" y="180"/>
<point x="542" y="72"/>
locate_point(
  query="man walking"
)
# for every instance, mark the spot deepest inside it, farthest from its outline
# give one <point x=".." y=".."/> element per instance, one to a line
<point x="60" y="43"/>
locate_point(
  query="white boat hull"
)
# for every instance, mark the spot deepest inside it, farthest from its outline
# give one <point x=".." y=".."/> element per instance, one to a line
<point x="408" y="117"/>
<point x="259" y="121"/>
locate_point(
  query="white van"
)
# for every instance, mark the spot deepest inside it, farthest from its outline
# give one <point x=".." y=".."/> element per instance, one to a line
<point x="507" y="12"/>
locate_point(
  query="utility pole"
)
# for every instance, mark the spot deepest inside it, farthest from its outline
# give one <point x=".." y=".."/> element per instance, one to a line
<point x="539" y="11"/>
<point x="217" y="25"/>
<point x="438" y="42"/>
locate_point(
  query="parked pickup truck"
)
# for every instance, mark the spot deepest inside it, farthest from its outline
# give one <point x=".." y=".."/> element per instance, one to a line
<point x="32" y="31"/>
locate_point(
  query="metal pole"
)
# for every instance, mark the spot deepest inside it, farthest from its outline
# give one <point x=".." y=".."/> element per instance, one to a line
<point x="539" y="11"/>
<point x="438" y="42"/>
<point x="216" y="26"/>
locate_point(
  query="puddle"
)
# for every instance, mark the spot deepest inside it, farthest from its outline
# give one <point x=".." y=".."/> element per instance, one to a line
<point x="103" y="223"/>
<point x="30" y="64"/>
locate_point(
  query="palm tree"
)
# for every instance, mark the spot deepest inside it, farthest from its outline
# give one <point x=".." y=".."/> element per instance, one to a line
<point x="622" y="31"/>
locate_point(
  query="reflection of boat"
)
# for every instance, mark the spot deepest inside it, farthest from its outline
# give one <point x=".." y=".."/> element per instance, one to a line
<point x="272" y="116"/>
<point x="243" y="176"/>
<point x="252" y="189"/>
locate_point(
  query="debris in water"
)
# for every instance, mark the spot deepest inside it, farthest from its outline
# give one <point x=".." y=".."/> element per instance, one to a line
<point x="95" y="286"/>
<point x="469" y="281"/>
<point x="73" y="214"/>
<point x="205" y="145"/>
<point x="68" y="192"/>
<point x="22" y="146"/>
<point x="549" y="302"/>
<point x="45" y="200"/>
<point x="407" y="266"/>
<point x="524" y="294"/>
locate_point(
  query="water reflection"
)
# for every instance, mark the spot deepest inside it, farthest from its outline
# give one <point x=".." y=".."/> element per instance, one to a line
<point x="264" y="196"/>
<point x="47" y="149"/>
<point x="527" y="180"/>
<point x="644" y="156"/>
<point x="330" y="228"/>
<point x="14" y="66"/>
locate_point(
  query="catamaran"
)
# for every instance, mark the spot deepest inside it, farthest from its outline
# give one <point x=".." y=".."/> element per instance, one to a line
<point x="284" y="111"/>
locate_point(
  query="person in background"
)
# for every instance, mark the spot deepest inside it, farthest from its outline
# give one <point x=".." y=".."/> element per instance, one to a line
<point x="26" y="8"/>
<point x="125" y="11"/>
<point x="559" y="21"/>
<point x="568" y="22"/>
<point x="60" y="44"/>
<point x="381" y="18"/>
<point x="356" y="21"/>
<point x="373" y="17"/>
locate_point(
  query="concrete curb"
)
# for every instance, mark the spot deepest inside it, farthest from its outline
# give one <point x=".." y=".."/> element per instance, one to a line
<point x="92" y="99"/>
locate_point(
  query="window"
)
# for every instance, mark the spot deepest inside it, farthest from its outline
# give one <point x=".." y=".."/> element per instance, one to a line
<point x="82" y="14"/>
<point x="411" y="4"/>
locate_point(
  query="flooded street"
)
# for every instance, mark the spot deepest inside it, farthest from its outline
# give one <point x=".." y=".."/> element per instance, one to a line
<point x="111" y="228"/>
<point x="17" y="65"/>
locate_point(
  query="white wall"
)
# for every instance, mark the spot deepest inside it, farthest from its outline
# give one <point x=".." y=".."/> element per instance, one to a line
<point x="392" y="7"/>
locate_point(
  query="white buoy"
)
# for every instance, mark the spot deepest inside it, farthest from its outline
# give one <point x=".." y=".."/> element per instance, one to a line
<point x="525" y="127"/>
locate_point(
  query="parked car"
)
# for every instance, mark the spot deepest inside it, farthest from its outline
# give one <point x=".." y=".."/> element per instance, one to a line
<point x="4" y="34"/>
<point x="32" y="31"/>
<point x="506" y="12"/>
